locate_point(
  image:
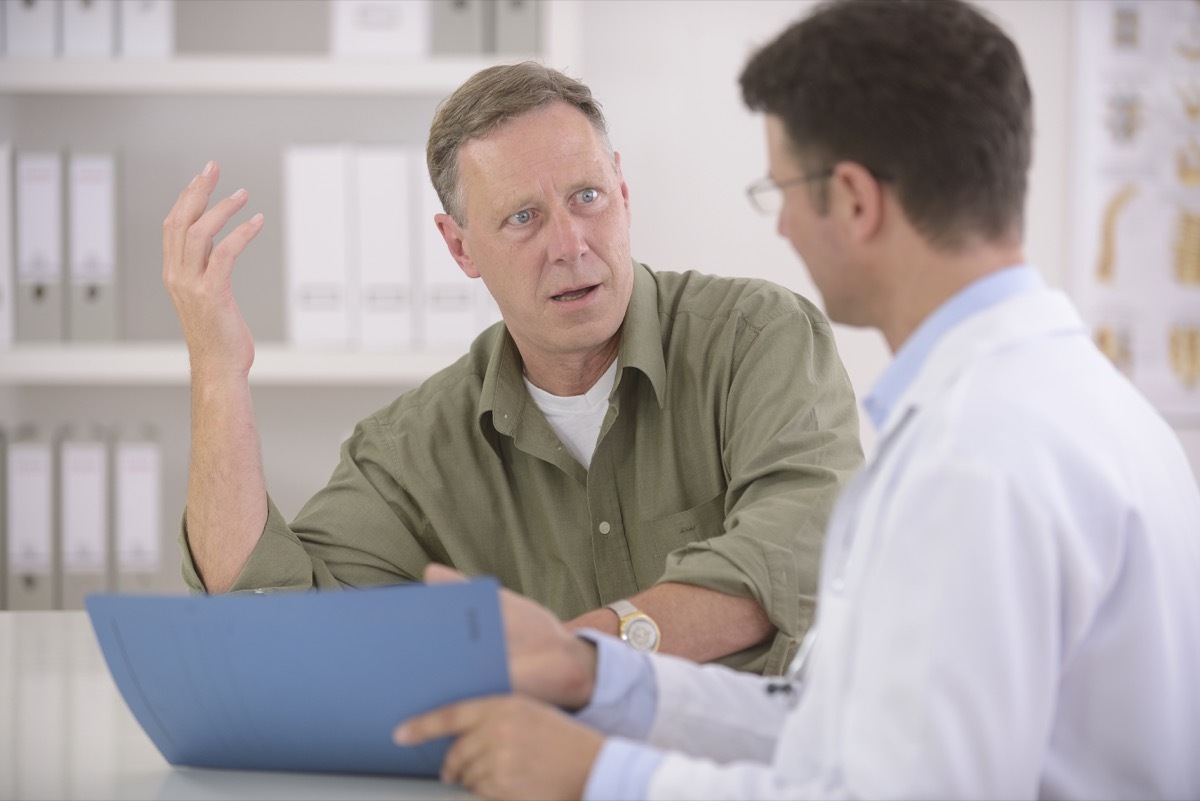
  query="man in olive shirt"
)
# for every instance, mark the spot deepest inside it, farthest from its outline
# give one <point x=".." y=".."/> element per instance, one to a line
<point x="671" y="443"/>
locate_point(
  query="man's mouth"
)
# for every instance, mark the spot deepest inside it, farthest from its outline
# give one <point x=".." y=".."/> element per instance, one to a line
<point x="574" y="294"/>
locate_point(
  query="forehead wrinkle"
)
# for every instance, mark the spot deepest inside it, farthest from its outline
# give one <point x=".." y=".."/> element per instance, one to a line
<point x="522" y="181"/>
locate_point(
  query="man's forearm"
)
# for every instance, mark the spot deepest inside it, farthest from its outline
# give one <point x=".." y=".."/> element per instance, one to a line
<point x="695" y="622"/>
<point x="227" y="495"/>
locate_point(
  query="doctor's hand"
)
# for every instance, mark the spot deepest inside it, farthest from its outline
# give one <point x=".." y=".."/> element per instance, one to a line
<point x="197" y="271"/>
<point x="545" y="660"/>
<point x="508" y="747"/>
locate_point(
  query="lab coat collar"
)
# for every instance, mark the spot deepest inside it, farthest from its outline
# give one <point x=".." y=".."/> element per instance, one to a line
<point x="1029" y="315"/>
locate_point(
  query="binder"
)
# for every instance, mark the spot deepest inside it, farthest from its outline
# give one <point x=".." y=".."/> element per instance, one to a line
<point x="317" y="244"/>
<point x="39" y="301"/>
<point x="91" y="313"/>
<point x="83" y="530"/>
<point x="88" y="28"/>
<point x="137" y="512"/>
<point x="30" y="521"/>
<point x="7" y="254"/>
<point x="449" y="317"/>
<point x="31" y="28"/>
<point x="146" y="28"/>
<point x="460" y="27"/>
<point x="518" y="26"/>
<point x="380" y="28"/>
<point x="382" y="224"/>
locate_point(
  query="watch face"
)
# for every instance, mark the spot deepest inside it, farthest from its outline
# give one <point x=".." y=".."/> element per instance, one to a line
<point x="642" y="634"/>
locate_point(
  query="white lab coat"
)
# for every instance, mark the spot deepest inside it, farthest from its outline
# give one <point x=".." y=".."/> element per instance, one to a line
<point x="1009" y="603"/>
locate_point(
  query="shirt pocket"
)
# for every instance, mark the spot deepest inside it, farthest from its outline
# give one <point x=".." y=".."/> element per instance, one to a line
<point x="655" y="539"/>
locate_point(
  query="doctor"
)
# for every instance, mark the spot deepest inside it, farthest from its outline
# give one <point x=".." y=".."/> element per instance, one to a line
<point x="1010" y="592"/>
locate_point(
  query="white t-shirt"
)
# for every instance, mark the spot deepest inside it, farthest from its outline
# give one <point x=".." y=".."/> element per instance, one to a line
<point x="577" y="418"/>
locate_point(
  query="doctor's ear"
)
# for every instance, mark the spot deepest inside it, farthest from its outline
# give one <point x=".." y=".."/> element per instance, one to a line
<point x="858" y="196"/>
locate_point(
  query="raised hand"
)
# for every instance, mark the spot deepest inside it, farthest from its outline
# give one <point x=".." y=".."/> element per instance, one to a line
<point x="197" y="272"/>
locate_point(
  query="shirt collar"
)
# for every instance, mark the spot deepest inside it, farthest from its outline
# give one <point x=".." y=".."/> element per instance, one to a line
<point x="974" y="298"/>
<point x="504" y="395"/>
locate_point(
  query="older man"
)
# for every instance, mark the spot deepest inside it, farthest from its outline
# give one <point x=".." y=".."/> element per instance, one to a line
<point x="653" y="454"/>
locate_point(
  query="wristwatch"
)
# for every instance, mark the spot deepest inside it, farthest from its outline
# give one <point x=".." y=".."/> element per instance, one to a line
<point x="636" y="627"/>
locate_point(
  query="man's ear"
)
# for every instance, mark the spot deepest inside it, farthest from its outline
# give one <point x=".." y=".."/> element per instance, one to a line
<point x="621" y="179"/>
<point x="858" y="200"/>
<point x="452" y="233"/>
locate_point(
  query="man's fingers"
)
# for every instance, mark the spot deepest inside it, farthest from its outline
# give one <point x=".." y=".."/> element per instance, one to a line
<point x="445" y="721"/>
<point x="198" y="242"/>
<point x="221" y="262"/>
<point x="188" y="208"/>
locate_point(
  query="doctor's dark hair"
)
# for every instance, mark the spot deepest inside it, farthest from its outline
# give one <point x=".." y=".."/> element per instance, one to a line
<point x="489" y="98"/>
<point x="929" y="93"/>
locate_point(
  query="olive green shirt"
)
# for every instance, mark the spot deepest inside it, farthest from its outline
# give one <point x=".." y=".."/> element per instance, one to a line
<point x="730" y="431"/>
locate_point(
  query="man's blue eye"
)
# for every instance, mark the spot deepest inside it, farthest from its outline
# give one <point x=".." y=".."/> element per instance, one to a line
<point x="589" y="195"/>
<point x="521" y="217"/>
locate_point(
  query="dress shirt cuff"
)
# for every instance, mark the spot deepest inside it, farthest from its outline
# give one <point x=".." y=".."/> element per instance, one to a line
<point x="625" y="695"/>
<point x="622" y="771"/>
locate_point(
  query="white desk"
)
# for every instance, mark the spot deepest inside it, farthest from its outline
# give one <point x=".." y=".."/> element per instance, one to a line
<point x="66" y="733"/>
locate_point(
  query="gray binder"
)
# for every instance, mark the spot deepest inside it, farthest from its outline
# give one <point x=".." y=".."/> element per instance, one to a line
<point x="461" y="27"/>
<point x="30" y="521"/>
<point x="91" y="313"/>
<point x="84" y="518"/>
<point x="39" y="235"/>
<point x="518" y="26"/>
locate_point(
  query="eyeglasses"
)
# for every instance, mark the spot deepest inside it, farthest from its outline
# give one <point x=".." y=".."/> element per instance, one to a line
<point x="766" y="194"/>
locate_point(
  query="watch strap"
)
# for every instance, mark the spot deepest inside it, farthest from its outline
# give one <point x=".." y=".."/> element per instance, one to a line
<point x="623" y="608"/>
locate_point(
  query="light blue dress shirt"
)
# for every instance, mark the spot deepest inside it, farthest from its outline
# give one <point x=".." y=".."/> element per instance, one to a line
<point x="625" y="698"/>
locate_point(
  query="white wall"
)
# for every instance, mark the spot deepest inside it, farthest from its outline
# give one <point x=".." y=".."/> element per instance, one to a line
<point x="666" y="73"/>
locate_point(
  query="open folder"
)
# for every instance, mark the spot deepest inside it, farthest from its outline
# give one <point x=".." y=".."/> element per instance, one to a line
<point x="301" y="681"/>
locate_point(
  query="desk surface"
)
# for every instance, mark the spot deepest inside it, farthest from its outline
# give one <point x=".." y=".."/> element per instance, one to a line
<point x="66" y="733"/>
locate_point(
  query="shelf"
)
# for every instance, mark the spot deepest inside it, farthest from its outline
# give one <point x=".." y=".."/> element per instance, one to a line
<point x="166" y="364"/>
<point x="239" y="76"/>
<point x="435" y="76"/>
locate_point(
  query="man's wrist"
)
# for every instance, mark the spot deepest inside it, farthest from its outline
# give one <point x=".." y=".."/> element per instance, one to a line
<point x="583" y="652"/>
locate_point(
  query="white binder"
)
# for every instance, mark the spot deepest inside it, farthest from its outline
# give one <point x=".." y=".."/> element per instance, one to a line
<point x="84" y="492"/>
<point x="7" y="253"/>
<point x="449" y="305"/>
<point x="39" y="305"/>
<point x="146" y="28"/>
<point x="30" y="522"/>
<point x="91" y="313"/>
<point x="379" y="28"/>
<point x="31" y="28"/>
<point x="137" y="512"/>
<point x="382" y="224"/>
<point x="317" y="256"/>
<point x="89" y="28"/>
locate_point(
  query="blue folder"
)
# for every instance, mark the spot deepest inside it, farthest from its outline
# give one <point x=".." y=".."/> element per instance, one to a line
<point x="301" y="681"/>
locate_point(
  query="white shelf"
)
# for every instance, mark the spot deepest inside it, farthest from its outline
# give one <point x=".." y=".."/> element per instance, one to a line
<point x="166" y="364"/>
<point x="435" y="76"/>
<point x="238" y="76"/>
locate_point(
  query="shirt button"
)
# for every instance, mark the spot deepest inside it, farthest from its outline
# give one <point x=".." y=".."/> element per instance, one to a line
<point x="605" y="527"/>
